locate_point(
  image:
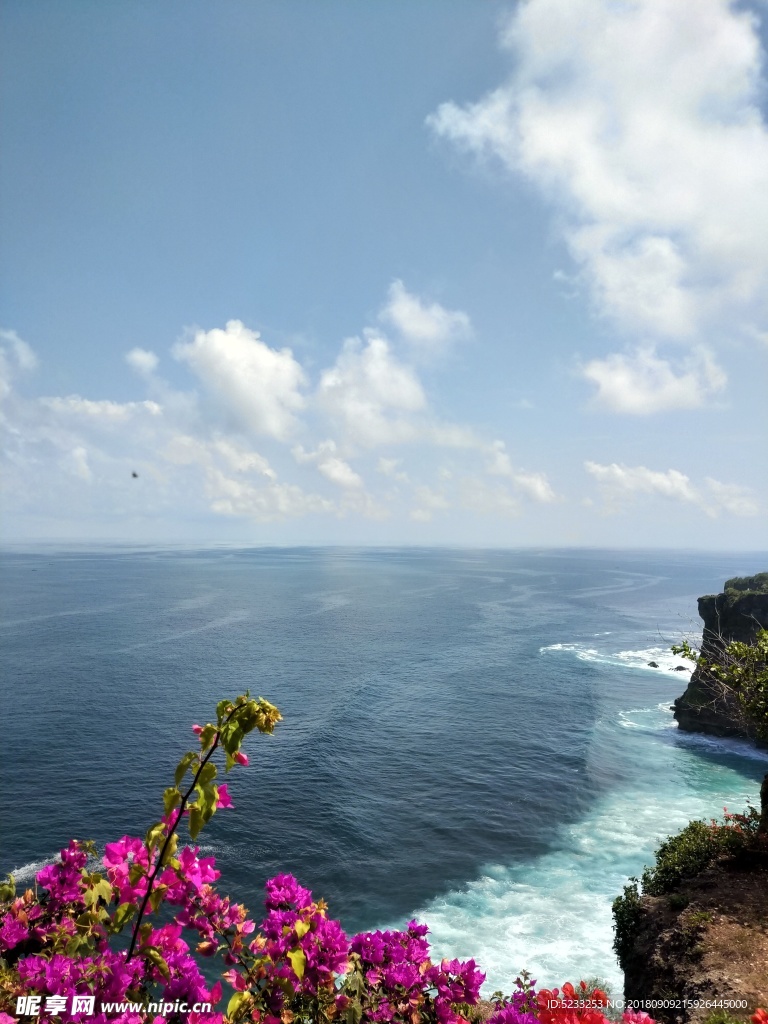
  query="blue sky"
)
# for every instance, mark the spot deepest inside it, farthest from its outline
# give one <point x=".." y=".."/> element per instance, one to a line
<point x="383" y="273"/>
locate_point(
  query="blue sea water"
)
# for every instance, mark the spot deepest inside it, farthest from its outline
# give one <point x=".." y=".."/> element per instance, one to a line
<point x="473" y="738"/>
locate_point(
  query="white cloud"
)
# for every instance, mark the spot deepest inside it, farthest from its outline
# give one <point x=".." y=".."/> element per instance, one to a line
<point x="371" y="394"/>
<point x="239" y="495"/>
<point x="142" y="361"/>
<point x="176" y="456"/>
<point x="275" y="501"/>
<point x="639" y="480"/>
<point x="641" y="382"/>
<point x="390" y="468"/>
<point x="640" y="122"/>
<point x="534" y="485"/>
<point x="619" y="482"/>
<point x="330" y="464"/>
<point x="487" y="499"/>
<point x="732" y="498"/>
<point x="427" y="327"/>
<point x="16" y="356"/>
<point x="241" y="460"/>
<point x="23" y="353"/>
<point x="104" y="411"/>
<point x="428" y="501"/>
<point x="257" y="385"/>
<point x="77" y="463"/>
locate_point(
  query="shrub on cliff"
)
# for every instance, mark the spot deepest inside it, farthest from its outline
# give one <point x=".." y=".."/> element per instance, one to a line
<point x="740" y="669"/>
<point x="757" y="584"/>
<point x="682" y="856"/>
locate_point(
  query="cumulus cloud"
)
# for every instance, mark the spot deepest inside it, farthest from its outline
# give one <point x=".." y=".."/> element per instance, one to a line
<point x="260" y="387"/>
<point x="641" y="382"/>
<point x="330" y="464"/>
<point x="176" y="455"/>
<point x="230" y="488"/>
<point x="619" y="483"/>
<point x="533" y="485"/>
<point x="428" y="328"/>
<point x="142" y="361"/>
<point x="371" y="393"/>
<point x="641" y="123"/>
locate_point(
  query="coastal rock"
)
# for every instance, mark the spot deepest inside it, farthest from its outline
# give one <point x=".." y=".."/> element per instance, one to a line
<point x="707" y="941"/>
<point x="736" y="614"/>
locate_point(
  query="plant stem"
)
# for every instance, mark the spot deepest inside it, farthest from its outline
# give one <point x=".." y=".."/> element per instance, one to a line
<point x="160" y="864"/>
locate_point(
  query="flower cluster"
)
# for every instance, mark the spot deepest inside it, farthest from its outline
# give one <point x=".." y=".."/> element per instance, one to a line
<point x="402" y="984"/>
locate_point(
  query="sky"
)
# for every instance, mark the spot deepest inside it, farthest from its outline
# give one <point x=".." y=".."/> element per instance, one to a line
<point x="440" y="272"/>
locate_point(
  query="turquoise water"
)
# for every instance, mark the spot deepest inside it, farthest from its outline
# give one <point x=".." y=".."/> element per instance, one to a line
<point x="471" y="737"/>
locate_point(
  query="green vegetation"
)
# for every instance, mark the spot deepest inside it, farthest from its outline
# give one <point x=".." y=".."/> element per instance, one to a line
<point x="722" y="1017"/>
<point x="757" y="584"/>
<point x="678" y="901"/>
<point x="740" y="669"/>
<point x="682" y="856"/>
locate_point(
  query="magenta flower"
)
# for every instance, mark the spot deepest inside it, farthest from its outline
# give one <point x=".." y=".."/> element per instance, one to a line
<point x="224" y="799"/>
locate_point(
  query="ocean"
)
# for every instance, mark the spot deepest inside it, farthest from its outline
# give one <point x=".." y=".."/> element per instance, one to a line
<point x="472" y="738"/>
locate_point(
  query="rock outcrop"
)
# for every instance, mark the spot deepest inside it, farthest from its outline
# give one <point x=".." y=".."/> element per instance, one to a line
<point x="706" y="942"/>
<point x="736" y="614"/>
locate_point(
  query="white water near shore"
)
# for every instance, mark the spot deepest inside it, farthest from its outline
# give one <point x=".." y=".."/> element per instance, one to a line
<point x="552" y="916"/>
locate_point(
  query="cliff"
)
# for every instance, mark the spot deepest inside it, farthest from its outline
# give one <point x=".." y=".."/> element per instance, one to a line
<point x="695" y="930"/>
<point x="707" y="941"/>
<point x="735" y="614"/>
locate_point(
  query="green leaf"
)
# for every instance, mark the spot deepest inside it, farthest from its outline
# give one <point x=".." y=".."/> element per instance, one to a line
<point x="155" y="957"/>
<point x="353" y="1013"/>
<point x="223" y="708"/>
<point x="170" y="849"/>
<point x="101" y="890"/>
<point x="207" y="773"/>
<point x="301" y="928"/>
<point x="183" y="765"/>
<point x="207" y="736"/>
<point x="195" y="821"/>
<point x="122" y="916"/>
<point x="155" y="834"/>
<point x="157" y="895"/>
<point x="298" y="960"/>
<point x="171" y="799"/>
<point x="235" y="1003"/>
<point x="75" y="944"/>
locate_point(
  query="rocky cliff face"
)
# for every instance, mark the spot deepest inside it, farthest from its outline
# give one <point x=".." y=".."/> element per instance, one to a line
<point x="703" y="947"/>
<point x="736" y="614"/>
<point x="706" y="942"/>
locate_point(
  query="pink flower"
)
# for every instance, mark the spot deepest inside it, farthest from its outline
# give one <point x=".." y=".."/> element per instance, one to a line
<point x="636" y="1017"/>
<point x="241" y="758"/>
<point x="197" y="729"/>
<point x="224" y="799"/>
